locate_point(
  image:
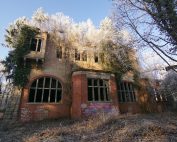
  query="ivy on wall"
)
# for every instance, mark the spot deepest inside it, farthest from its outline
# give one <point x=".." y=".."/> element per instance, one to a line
<point x="15" y="67"/>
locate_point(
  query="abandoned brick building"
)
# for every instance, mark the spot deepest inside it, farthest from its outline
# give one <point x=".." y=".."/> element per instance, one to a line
<point x="72" y="86"/>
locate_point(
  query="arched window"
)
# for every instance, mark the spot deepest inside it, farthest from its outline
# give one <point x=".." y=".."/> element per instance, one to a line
<point x="45" y="90"/>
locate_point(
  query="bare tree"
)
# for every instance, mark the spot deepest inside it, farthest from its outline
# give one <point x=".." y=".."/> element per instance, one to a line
<point x="151" y="23"/>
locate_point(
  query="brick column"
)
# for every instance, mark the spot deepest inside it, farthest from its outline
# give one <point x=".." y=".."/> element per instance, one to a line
<point x="78" y="83"/>
<point x="113" y="93"/>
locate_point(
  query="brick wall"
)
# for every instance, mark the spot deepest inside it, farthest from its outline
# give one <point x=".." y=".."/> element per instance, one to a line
<point x="52" y="67"/>
<point x="80" y="104"/>
<point x="74" y="87"/>
<point x="37" y="111"/>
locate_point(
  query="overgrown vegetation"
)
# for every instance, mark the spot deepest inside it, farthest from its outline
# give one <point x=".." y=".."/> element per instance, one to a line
<point x="114" y="44"/>
<point x="104" y="128"/>
<point x="18" y="37"/>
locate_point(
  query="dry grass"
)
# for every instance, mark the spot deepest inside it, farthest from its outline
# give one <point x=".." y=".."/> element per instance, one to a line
<point x="101" y="128"/>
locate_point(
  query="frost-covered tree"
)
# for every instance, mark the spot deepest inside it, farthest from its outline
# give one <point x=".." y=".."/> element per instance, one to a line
<point x="168" y="86"/>
<point x="39" y="19"/>
<point x="13" y="31"/>
<point x="63" y="31"/>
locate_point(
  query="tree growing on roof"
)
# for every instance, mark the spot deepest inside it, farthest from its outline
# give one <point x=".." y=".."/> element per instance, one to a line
<point x="115" y="44"/>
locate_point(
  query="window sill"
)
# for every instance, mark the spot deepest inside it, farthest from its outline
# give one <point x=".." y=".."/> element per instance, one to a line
<point x="80" y="61"/>
<point x="126" y="102"/>
<point x="100" y="101"/>
<point x="44" y="103"/>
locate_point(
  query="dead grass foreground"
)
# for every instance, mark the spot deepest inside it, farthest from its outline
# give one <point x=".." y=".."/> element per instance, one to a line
<point x="101" y="128"/>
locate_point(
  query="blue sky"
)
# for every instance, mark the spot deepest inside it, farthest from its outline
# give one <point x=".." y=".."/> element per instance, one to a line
<point x="79" y="10"/>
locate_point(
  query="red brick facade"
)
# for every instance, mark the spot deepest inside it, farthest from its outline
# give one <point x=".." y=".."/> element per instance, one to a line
<point x="40" y="111"/>
<point x="80" y="104"/>
<point x="74" y="99"/>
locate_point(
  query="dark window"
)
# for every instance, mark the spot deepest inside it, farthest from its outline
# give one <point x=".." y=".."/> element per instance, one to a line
<point x="52" y="95"/>
<point x="102" y="57"/>
<point x="39" y="45"/>
<point x="90" y="94"/>
<point x="39" y="95"/>
<point x="97" y="90"/>
<point x="77" y="55"/>
<point x="96" y="57"/>
<point x="32" y="95"/>
<point x="126" y="92"/>
<point x="45" y="89"/>
<point x="33" y="44"/>
<point x="36" y="44"/>
<point x="59" y="53"/>
<point x="84" y="56"/>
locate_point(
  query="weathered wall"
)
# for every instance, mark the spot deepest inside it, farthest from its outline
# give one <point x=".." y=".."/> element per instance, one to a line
<point x="80" y="104"/>
<point x="37" y="111"/>
<point x="129" y="107"/>
<point x="74" y="87"/>
<point x="52" y="67"/>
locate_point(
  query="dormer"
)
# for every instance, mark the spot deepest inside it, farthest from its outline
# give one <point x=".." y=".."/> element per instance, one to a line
<point x="37" y="47"/>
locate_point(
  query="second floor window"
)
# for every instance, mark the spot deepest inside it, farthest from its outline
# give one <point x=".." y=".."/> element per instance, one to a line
<point x="59" y="53"/>
<point x="96" y="57"/>
<point x="77" y="55"/>
<point x="84" y="56"/>
<point x="36" y="44"/>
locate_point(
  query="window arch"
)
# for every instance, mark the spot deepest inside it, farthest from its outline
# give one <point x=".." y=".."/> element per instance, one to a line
<point x="45" y="90"/>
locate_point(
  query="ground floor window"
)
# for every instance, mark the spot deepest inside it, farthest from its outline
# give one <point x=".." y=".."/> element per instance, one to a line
<point x="98" y="90"/>
<point x="126" y="92"/>
<point x="45" y="90"/>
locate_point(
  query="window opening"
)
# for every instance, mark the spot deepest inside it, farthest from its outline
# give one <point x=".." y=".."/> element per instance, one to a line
<point x="126" y="92"/>
<point x="96" y="57"/>
<point x="98" y="90"/>
<point x="84" y="56"/>
<point x="45" y="89"/>
<point x="59" y="53"/>
<point x="77" y="55"/>
<point x="36" y="44"/>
